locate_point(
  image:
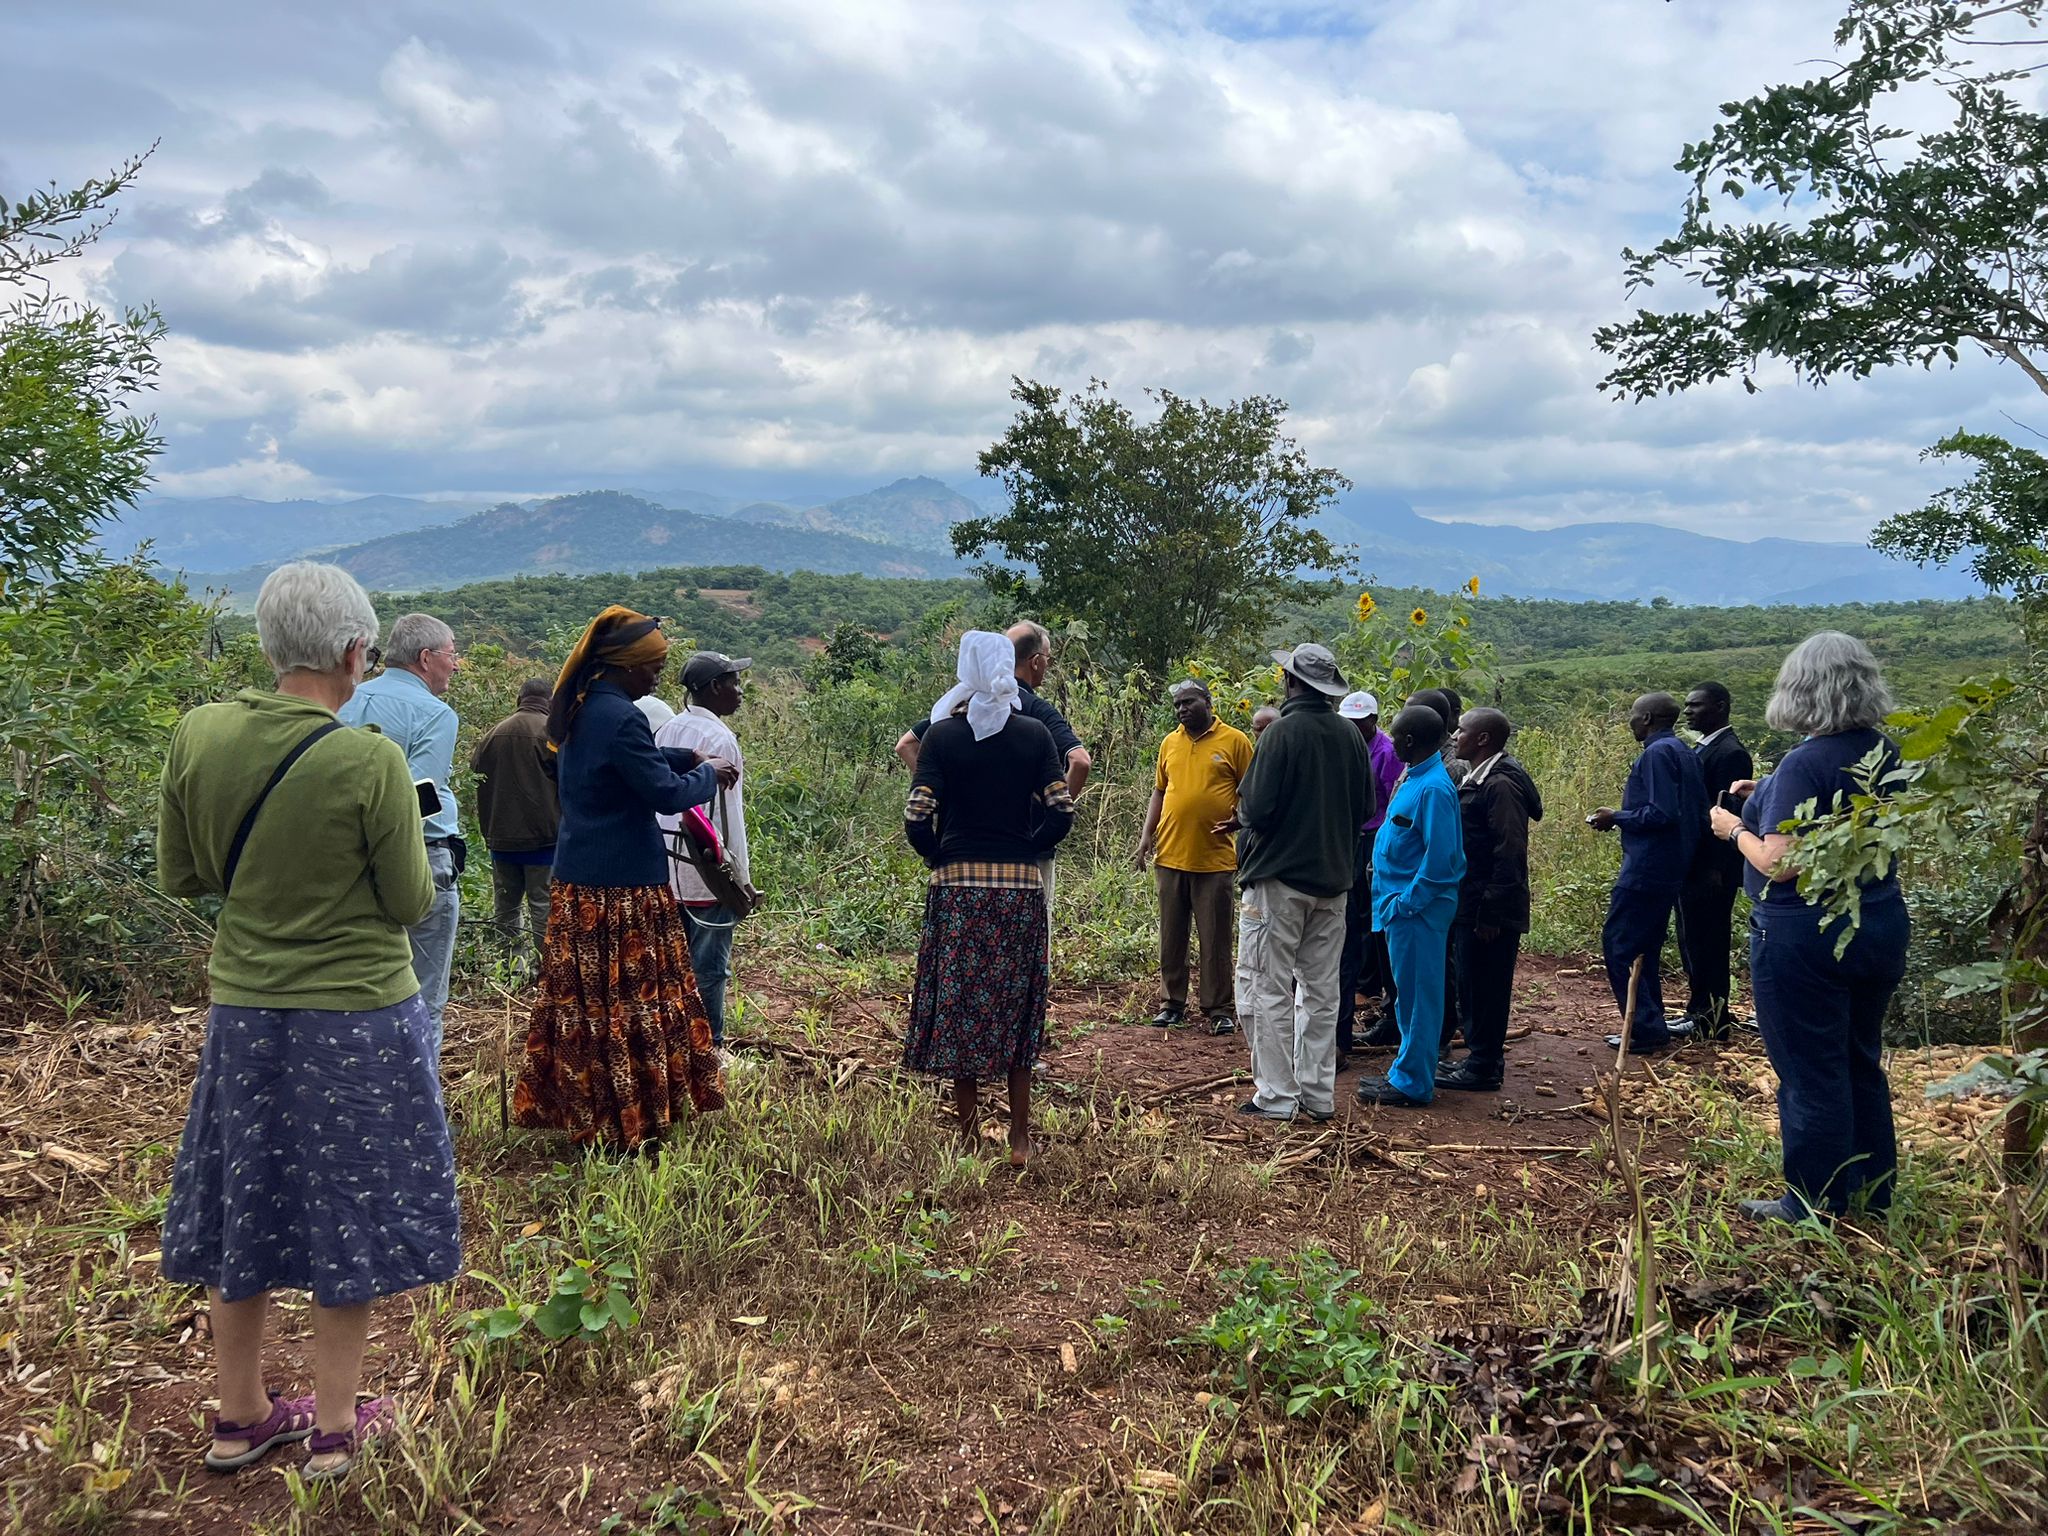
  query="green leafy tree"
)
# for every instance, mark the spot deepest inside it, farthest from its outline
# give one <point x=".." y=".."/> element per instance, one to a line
<point x="1893" y="248"/>
<point x="1167" y="537"/>
<point x="71" y="450"/>
<point x="1997" y="520"/>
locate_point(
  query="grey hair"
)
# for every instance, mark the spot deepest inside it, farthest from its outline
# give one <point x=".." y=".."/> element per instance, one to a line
<point x="415" y="633"/>
<point x="308" y="615"/>
<point x="1829" y="684"/>
<point x="1035" y="638"/>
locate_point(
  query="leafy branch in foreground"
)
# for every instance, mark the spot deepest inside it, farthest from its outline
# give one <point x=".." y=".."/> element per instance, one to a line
<point x="1896" y="247"/>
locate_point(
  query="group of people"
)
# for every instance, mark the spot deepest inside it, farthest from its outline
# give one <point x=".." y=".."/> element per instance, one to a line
<point x="1393" y="863"/>
<point x="316" y="1153"/>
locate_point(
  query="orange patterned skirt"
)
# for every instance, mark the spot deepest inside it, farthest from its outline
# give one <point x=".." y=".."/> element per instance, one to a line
<point x="619" y="1046"/>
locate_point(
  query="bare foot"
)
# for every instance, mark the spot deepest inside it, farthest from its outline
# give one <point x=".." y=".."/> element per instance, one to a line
<point x="1020" y="1149"/>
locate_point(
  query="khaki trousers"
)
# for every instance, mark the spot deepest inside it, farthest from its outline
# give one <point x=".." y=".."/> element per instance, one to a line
<point x="1201" y="900"/>
<point x="1286" y="939"/>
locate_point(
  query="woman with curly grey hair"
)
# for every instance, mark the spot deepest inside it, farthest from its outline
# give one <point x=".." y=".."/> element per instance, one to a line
<point x="1822" y="1014"/>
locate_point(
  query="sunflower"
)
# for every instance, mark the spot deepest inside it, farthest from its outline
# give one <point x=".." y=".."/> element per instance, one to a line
<point x="1419" y="617"/>
<point x="1194" y="669"/>
<point x="1366" y="607"/>
<point x="1462" y="622"/>
<point x="1472" y="586"/>
<point x="1244" y="703"/>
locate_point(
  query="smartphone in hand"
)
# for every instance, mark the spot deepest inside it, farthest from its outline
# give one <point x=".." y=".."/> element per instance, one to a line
<point x="1729" y="801"/>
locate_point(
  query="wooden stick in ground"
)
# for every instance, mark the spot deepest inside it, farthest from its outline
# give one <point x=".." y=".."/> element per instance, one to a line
<point x="504" y="1065"/>
<point x="1196" y="1085"/>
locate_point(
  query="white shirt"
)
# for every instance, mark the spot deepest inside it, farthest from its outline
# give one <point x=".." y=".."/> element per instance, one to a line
<point x="1478" y="775"/>
<point x="703" y="732"/>
<point x="658" y="714"/>
<point x="1704" y="740"/>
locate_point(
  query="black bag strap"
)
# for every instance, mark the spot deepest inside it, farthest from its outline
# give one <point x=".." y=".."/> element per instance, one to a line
<point x="276" y="778"/>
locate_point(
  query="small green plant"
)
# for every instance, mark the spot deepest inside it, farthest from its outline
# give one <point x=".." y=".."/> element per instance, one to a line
<point x="671" y="1509"/>
<point x="584" y="1302"/>
<point x="1295" y="1333"/>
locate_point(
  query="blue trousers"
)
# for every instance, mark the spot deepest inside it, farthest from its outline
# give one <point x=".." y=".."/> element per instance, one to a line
<point x="433" y="942"/>
<point x="710" y="931"/>
<point x="1822" y="1021"/>
<point x="1417" y="949"/>
<point x="1637" y="921"/>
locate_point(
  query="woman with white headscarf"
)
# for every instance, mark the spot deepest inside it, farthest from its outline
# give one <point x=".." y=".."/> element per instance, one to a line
<point x="988" y="802"/>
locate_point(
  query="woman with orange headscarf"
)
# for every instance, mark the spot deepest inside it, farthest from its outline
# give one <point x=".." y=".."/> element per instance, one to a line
<point x="619" y="1046"/>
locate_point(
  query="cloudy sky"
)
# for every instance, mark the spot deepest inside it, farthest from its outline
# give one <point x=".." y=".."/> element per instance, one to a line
<point x="798" y="247"/>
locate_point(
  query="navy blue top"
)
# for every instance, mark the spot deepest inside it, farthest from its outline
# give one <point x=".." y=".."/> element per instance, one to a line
<point x="1663" y="814"/>
<point x="613" y="780"/>
<point x="1818" y="769"/>
<point x="1031" y="707"/>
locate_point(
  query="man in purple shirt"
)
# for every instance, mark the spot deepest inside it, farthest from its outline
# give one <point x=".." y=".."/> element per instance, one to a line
<point x="1365" y="952"/>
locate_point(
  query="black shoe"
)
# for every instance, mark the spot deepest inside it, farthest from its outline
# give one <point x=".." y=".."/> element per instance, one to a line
<point x="1465" y="1076"/>
<point x="1780" y="1209"/>
<point x="1320" y="1116"/>
<point x="1251" y="1107"/>
<point x="1383" y="1036"/>
<point x="1169" y="1017"/>
<point x="1377" y="1090"/>
<point x="1222" y="1024"/>
<point x="1674" y="1035"/>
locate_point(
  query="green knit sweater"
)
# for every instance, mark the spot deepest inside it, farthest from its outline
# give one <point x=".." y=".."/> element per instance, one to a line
<point x="335" y="868"/>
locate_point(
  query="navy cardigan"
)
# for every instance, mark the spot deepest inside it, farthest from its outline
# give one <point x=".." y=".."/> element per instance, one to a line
<point x="614" y="780"/>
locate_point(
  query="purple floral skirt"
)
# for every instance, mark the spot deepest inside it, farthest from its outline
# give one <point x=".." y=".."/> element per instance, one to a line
<point x="979" y="1006"/>
<point x="316" y="1157"/>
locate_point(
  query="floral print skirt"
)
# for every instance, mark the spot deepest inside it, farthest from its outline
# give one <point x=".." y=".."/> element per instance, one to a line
<point x="979" y="1006"/>
<point x="315" y="1157"/>
<point x="619" y="1046"/>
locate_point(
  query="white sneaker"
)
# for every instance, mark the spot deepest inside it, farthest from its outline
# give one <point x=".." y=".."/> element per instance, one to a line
<point x="732" y="1061"/>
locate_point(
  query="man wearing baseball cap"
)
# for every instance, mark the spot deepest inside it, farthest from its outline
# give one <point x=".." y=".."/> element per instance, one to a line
<point x="1307" y="794"/>
<point x="1194" y="801"/>
<point x="712" y="690"/>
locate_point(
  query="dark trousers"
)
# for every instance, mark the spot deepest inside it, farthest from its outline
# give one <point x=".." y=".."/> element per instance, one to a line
<point x="1822" y="1021"/>
<point x="1637" y="920"/>
<point x="1454" y="987"/>
<point x="1485" y="970"/>
<point x="1204" y="901"/>
<point x="517" y="886"/>
<point x="1706" y="909"/>
<point x="1363" y="950"/>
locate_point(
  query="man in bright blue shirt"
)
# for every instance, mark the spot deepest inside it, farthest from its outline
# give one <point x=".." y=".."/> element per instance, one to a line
<point x="1663" y="815"/>
<point x="404" y="702"/>
<point x="1418" y="863"/>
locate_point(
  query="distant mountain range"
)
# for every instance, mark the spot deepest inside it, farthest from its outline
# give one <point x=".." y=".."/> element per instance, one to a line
<point x="1625" y="561"/>
<point x="397" y="544"/>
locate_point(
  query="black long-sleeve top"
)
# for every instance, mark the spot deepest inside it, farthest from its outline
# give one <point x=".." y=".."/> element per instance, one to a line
<point x="1000" y="800"/>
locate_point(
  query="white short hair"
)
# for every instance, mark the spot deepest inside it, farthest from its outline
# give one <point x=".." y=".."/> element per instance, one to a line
<point x="1829" y="684"/>
<point x="308" y="615"/>
<point x="413" y="634"/>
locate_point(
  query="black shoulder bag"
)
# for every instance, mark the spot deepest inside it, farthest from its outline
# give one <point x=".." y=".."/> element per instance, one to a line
<point x="249" y="820"/>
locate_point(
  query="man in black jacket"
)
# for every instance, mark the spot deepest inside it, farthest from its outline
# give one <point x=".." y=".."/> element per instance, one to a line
<point x="518" y="811"/>
<point x="1300" y="807"/>
<point x="1706" y="902"/>
<point x="1496" y="803"/>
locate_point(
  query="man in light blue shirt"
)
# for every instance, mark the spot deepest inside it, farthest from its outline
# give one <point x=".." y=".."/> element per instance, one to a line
<point x="404" y="702"/>
<point x="1418" y="863"/>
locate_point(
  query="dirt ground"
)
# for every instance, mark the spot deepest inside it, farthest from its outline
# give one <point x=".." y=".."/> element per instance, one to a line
<point x="595" y="1456"/>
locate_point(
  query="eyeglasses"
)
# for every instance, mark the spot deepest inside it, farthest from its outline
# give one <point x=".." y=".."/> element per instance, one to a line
<point x="372" y="656"/>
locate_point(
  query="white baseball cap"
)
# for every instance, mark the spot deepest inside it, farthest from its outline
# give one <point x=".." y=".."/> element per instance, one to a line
<point x="1357" y="706"/>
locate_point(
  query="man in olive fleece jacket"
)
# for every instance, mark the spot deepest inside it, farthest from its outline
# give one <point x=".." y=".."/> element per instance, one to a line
<point x="1301" y="807"/>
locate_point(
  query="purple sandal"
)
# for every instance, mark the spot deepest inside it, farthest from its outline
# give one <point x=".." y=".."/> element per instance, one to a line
<point x="291" y="1418"/>
<point x="372" y="1419"/>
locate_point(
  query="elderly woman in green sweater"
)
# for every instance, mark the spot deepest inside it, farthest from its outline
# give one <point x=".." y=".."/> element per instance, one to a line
<point x="316" y="1155"/>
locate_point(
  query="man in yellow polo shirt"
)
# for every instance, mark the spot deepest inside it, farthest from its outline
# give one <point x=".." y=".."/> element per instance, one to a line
<point x="1194" y="792"/>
